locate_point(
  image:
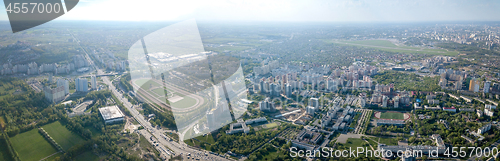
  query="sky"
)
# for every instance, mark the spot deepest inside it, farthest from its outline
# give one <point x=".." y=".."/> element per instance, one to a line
<point x="284" y="10"/>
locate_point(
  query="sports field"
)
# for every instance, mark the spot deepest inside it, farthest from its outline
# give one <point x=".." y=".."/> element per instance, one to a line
<point x="386" y="45"/>
<point x="31" y="146"/>
<point x="62" y="136"/>
<point x="392" y="115"/>
<point x="183" y="102"/>
<point x="270" y="125"/>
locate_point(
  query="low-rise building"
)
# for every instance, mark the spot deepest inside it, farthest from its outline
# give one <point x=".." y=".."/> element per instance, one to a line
<point x="111" y="114"/>
<point x="390" y="122"/>
<point x="467" y="109"/>
<point x="238" y="127"/>
<point x="307" y="139"/>
<point x="433" y="101"/>
<point x="432" y="108"/>
<point x="450" y="109"/>
<point x="417" y="106"/>
<point x="490" y="106"/>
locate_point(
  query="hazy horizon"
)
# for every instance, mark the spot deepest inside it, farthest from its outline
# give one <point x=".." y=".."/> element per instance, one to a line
<point x="285" y="11"/>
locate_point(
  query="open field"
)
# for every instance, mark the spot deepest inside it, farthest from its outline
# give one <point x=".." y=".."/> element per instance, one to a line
<point x="383" y="140"/>
<point x="354" y="143"/>
<point x="31" y="146"/>
<point x="62" y="136"/>
<point x="207" y="138"/>
<point x="270" y="125"/>
<point x="391" y="115"/>
<point x="185" y="102"/>
<point x="143" y="85"/>
<point x="386" y="45"/>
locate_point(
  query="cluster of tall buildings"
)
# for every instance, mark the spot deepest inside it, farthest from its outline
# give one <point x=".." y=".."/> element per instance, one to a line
<point x="266" y="67"/>
<point x="384" y="95"/>
<point x="450" y="75"/>
<point x="109" y="61"/>
<point x="267" y="105"/>
<point x="275" y="86"/>
<point x="33" y="68"/>
<point x="437" y="61"/>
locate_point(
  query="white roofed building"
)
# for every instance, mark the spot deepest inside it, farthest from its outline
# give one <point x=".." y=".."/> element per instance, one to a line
<point x="111" y="114"/>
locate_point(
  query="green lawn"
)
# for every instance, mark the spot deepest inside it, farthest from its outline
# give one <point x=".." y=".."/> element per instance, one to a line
<point x="270" y="125"/>
<point x="383" y="43"/>
<point x="184" y="103"/>
<point x="62" y="136"/>
<point x="159" y="91"/>
<point x="354" y="143"/>
<point x="392" y="115"/>
<point x="386" y="45"/>
<point x="143" y="85"/>
<point x="207" y="138"/>
<point x="31" y="146"/>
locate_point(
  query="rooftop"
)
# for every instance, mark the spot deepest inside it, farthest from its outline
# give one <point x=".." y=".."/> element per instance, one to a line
<point x="111" y="112"/>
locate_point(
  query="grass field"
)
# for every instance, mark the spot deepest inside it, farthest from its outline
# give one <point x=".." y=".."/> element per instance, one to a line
<point x="143" y="85"/>
<point x="386" y="45"/>
<point x="270" y="125"/>
<point x="184" y="103"/>
<point x="207" y="138"/>
<point x="62" y="136"/>
<point x="31" y="146"/>
<point x="354" y="143"/>
<point x="392" y="115"/>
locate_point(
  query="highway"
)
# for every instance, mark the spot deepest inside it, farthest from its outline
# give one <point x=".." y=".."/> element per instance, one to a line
<point x="149" y="131"/>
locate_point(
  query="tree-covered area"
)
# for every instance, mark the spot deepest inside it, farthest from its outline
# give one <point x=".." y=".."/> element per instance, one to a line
<point x="242" y="143"/>
<point x="28" y="110"/>
<point x="165" y="119"/>
<point x="458" y="125"/>
<point x="125" y="82"/>
<point x="23" y="111"/>
<point x="408" y="82"/>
